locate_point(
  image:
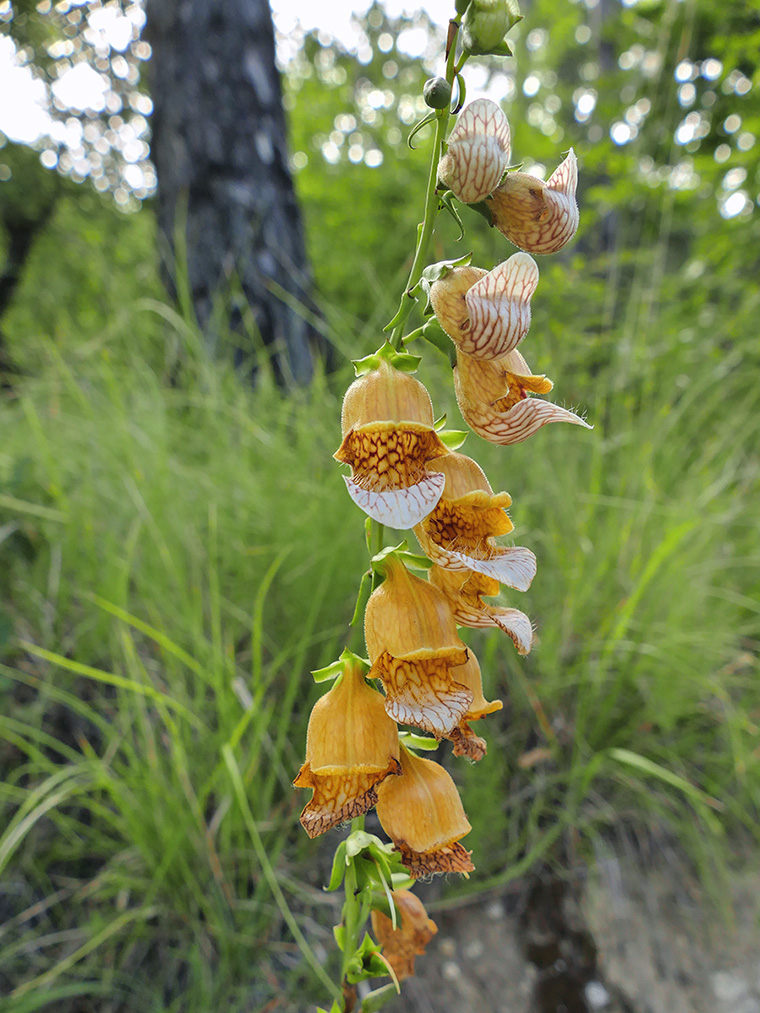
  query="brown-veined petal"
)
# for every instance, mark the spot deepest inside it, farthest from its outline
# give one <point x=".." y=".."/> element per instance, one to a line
<point x="494" y="400"/>
<point x="397" y="508"/>
<point x="499" y="307"/>
<point x="478" y="152"/>
<point x="420" y="690"/>
<point x="466" y="590"/>
<point x="538" y="216"/>
<point x="486" y="314"/>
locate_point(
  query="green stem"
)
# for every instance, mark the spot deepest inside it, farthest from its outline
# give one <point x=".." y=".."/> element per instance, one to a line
<point x="375" y="1000"/>
<point x="427" y="228"/>
<point x="352" y="923"/>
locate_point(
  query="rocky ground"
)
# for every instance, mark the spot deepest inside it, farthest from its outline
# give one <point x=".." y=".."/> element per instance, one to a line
<point x="622" y="940"/>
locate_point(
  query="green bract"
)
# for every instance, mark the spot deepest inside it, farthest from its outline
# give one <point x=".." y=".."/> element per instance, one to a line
<point x="484" y="25"/>
<point x="402" y="361"/>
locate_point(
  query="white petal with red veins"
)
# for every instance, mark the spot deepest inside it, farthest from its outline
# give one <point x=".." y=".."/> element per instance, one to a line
<point x="521" y="421"/>
<point x="478" y="151"/>
<point x="515" y="567"/>
<point x="499" y="308"/>
<point x="516" y="625"/>
<point x="399" y="508"/>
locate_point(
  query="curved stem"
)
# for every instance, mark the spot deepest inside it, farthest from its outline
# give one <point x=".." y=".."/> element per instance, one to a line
<point x="427" y="228"/>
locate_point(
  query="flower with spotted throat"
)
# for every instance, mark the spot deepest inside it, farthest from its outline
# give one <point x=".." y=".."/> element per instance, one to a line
<point x="422" y="814"/>
<point x="537" y="216"/>
<point x="485" y="313"/>
<point x="351" y="747"/>
<point x="388" y="439"/>
<point x="408" y="939"/>
<point x="413" y="646"/>
<point x="460" y="532"/>
<point x="478" y="152"/>
<point x="493" y="398"/>
<point x="465" y="592"/>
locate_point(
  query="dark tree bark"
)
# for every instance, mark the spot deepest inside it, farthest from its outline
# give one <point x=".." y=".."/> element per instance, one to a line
<point x="219" y="146"/>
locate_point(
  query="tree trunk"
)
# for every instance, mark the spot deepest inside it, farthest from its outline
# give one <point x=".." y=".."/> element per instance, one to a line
<point x="219" y="146"/>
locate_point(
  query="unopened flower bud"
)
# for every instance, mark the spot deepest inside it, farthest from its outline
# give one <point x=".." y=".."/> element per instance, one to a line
<point x="437" y="92"/>
<point x="484" y="25"/>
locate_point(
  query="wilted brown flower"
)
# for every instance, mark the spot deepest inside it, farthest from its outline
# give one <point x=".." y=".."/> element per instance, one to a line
<point x="408" y="940"/>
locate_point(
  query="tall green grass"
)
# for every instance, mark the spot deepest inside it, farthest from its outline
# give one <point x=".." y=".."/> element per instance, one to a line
<point x="179" y="554"/>
<point x="178" y="551"/>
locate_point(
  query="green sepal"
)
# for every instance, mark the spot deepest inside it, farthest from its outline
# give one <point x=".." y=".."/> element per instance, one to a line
<point x="365" y="962"/>
<point x="371" y="851"/>
<point x="333" y="670"/>
<point x="400" y="552"/>
<point x="461" y="6"/>
<point x="483" y="209"/>
<point x="453" y="438"/>
<point x="418" y="126"/>
<point x="338" y="868"/>
<point x="375" y="1000"/>
<point x="402" y="361"/>
<point x="461" y="94"/>
<point x="365" y="590"/>
<point x="439" y="270"/>
<point x="335" y="1008"/>
<point x="358" y="841"/>
<point x="435" y="335"/>
<point x="413" y="741"/>
<point x="447" y="201"/>
<point x="440" y="423"/>
<point x="402" y="880"/>
<point x="339" y="935"/>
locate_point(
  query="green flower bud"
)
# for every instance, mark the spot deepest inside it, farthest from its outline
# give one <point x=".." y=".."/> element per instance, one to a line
<point x="484" y="25"/>
<point x="437" y="92"/>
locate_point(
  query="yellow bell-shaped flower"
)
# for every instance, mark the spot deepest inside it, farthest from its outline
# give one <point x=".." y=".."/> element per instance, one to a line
<point x="388" y="439"/>
<point x="351" y="747"/>
<point x="465" y="591"/>
<point x="493" y="398"/>
<point x="422" y="814"/>
<point x="463" y="738"/>
<point x="412" y="643"/>
<point x="486" y="313"/>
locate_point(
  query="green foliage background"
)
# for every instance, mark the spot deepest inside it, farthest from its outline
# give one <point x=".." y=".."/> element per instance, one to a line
<point x="177" y="550"/>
